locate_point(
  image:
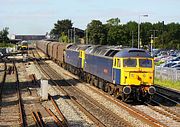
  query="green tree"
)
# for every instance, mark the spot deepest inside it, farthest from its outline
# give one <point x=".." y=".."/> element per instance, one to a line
<point x="146" y="33"/>
<point x="116" y="35"/>
<point x="169" y="36"/>
<point x="96" y="32"/>
<point x="63" y="38"/>
<point x="131" y="30"/>
<point x="113" y="33"/>
<point x="4" y="35"/>
<point x="60" y="27"/>
<point x="113" y="21"/>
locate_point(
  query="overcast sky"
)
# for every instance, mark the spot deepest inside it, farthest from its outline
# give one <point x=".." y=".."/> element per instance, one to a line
<point x="39" y="16"/>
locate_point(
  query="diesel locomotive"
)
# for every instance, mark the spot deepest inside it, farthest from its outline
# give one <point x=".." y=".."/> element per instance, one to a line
<point x="124" y="73"/>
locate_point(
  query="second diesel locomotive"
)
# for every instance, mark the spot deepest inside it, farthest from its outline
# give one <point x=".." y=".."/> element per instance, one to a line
<point x="125" y="73"/>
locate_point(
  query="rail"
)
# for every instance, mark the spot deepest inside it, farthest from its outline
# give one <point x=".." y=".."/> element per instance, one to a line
<point x="2" y="83"/>
<point x="169" y="93"/>
<point x="64" y="120"/>
<point x="22" y="113"/>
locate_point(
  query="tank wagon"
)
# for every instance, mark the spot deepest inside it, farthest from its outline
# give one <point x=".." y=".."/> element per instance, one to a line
<point x="125" y="73"/>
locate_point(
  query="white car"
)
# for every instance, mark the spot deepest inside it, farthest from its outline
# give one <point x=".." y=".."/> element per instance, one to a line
<point x="177" y="66"/>
<point x="1" y="54"/>
<point x="170" y="64"/>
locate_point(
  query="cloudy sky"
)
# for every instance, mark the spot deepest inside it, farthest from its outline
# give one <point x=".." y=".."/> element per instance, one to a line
<point x="39" y="16"/>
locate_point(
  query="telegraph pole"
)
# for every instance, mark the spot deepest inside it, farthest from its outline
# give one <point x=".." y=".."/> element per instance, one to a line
<point x="74" y="35"/>
<point x="71" y="35"/>
<point x="154" y="35"/>
<point x="68" y="35"/>
<point x="86" y="36"/>
<point x="132" y="38"/>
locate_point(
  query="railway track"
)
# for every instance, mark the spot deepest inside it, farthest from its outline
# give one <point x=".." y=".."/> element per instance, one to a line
<point x="2" y="83"/>
<point x="11" y="101"/>
<point x="134" y="112"/>
<point x="168" y="94"/>
<point x="156" y="107"/>
<point x="21" y="110"/>
<point x="163" y="110"/>
<point x="86" y="104"/>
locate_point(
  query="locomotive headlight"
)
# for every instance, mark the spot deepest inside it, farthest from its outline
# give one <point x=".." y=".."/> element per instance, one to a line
<point x="151" y="90"/>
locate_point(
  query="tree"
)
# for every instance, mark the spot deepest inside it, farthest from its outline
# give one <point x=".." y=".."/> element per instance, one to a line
<point x="131" y="30"/>
<point x="116" y="35"/>
<point x="113" y="21"/>
<point x="146" y="31"/>
<point x="113" y="33"/>
<point x="96" y="32"/>
<point x="4" y="35"/>
<point x="63" y="38"/>
<point x="60" y="27"/>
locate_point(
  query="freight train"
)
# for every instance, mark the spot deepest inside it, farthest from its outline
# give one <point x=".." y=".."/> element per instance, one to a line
<point x="124" y="73"/>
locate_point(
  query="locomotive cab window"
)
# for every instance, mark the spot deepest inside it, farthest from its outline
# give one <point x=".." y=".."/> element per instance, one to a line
<point x="129" y="62"/>
<point x="145" y="63"/>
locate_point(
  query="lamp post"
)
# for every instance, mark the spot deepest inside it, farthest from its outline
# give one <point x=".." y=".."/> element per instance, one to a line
<point x="139" y="29"/>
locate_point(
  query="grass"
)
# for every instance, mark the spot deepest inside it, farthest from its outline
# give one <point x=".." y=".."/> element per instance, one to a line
<point x="168" y="83"/>
<point x="5" y="45"/>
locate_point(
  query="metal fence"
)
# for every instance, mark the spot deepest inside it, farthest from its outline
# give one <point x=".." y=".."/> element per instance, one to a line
<point x="167" y="73"/>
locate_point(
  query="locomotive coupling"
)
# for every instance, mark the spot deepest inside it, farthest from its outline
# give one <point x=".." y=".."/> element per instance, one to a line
<point x="127" y="90"/>
<point x="151" y="90"/>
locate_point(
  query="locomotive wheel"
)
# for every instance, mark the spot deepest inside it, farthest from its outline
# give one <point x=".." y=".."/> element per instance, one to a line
<point x="101" y="84"/>
<point x="110" y="90"/>
<point x="106" y="87"/>
<point x="116" y="93"/>
<point x="91" y="82"/>
<point x="96" y="82"/>
<point x="88" y="78"/>
<point x="81" y="75"/>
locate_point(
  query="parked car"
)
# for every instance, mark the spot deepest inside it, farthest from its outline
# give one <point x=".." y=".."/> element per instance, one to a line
<point x="175" y="59"/>
<point x="170" y="64"/>
<point x="177" y="66"/>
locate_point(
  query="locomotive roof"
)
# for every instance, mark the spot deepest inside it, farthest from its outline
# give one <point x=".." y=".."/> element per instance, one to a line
<point x="78" y="47"/>
<point x="103" y="50"/>
<point x="133" y="52"/>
